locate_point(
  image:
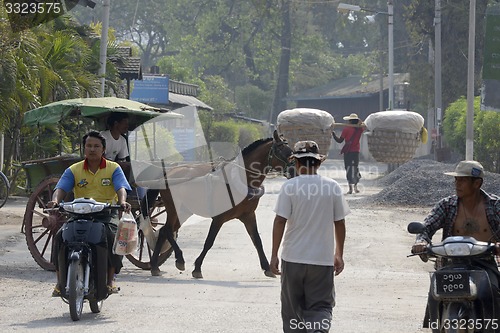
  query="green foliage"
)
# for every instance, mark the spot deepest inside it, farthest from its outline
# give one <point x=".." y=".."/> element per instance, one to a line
<point x="224" y="131"/>
<point x="486" y="133"/>
<point x="454" y="124"/>
<point x="253" y="101"/>
<point x="175" y="69"/>
<point x="249" y="133"/>
<point x="238" y="133"/>
<point x="419" y="22"/>
<point x="487" y="150"/>
<point x="217" y="94"/>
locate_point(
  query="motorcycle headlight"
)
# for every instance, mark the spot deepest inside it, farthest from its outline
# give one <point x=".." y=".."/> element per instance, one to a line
<point x="83" y="208"/>
<point x="458" y="249"/>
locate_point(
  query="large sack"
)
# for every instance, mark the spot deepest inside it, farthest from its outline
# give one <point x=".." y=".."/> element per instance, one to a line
<point x="394" y="136"/>
<point x="306" y="124"/>
<point x="403" y="121"/>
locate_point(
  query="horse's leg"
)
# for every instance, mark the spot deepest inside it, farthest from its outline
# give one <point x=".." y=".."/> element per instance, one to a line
<point x="250" y="222"/>
<point x="209" y="242"/>
<point x="166" y="233"/>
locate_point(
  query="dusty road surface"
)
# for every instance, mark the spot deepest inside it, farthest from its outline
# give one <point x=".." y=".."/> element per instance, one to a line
<point x="380" y="290"/>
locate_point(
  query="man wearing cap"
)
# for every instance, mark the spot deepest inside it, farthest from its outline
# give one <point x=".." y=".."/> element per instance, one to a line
<point x="471" y="212"/>
<point x="312" y="208"/>
<point x="351" y="135"/>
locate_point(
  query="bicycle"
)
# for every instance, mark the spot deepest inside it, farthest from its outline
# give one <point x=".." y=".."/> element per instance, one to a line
<point x="4" y="189"/>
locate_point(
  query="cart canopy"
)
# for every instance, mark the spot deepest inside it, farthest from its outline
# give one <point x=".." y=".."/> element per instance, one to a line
<point x="97" y="108"/>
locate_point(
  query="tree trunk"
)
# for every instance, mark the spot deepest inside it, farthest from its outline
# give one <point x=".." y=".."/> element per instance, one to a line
<point x="282" y="86"/>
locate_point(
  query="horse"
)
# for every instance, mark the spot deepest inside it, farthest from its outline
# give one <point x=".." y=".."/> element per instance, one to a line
<point x="259" y="158"/>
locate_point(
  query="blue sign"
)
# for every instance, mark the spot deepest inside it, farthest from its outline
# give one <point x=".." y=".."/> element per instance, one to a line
<point x="151" y="89"/>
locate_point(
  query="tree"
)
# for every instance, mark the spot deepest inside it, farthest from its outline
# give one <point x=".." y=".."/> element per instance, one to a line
<point x="486" y="135"/>
<point x="276" y="47"/>
<point x="419" y="17"/>
<point x="50" y="62"/>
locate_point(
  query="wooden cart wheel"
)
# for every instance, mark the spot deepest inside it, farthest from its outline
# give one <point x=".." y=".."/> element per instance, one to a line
<point x="142" y="257"/>
<point x="40" y="227"/>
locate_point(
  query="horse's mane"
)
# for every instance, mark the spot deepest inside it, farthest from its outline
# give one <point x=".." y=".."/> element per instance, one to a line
<point x="251" y="147"/>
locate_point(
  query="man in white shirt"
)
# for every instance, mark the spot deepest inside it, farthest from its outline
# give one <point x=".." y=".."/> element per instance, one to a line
<point x="116" y="144"/>
<point x="312" y="208"/>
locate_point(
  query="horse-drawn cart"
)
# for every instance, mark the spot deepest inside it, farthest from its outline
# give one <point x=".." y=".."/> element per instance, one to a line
<point x="42" y="175"/>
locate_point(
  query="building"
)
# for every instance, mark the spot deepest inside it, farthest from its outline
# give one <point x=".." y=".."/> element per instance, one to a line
<point x="354" y="94"/>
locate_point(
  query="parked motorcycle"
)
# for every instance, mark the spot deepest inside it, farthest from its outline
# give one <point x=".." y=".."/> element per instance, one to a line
<point x="462" y="297"/>
<point x="83" y="257"/>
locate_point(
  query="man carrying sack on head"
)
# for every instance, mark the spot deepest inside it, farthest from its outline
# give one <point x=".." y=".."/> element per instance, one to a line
<point x="351" y="134"/>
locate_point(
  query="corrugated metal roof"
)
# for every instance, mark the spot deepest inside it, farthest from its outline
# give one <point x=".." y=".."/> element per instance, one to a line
<point x="187" y="100"/>
<point x="353" y="86"/>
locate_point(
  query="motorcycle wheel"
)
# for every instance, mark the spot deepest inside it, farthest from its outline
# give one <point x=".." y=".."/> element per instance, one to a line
<point x="95" y="306"/>
<point x="76" y="289"/>
<point x="455" y="314"/>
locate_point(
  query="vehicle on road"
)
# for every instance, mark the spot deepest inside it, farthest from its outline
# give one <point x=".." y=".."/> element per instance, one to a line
<point x="83" y="258"/>
<point x="462" y="296"/>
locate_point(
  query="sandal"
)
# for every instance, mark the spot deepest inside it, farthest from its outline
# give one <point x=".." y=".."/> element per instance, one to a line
<point x="113" y="289"/>
<point x="56" y="292"/>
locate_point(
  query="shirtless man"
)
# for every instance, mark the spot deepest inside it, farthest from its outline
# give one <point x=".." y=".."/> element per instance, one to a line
<point x="471" y="212"/>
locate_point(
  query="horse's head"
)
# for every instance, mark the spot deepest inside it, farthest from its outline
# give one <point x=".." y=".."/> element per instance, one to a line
<point x="279" y="156"/>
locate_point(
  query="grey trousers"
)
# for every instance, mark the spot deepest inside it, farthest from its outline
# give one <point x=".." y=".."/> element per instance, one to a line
<point x="307" y="297"/>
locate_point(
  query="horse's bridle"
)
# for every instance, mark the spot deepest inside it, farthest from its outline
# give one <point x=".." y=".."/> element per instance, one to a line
<point x="276" y="152"/>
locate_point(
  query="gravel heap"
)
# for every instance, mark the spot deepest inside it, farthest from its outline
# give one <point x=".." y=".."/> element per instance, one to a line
<point x="422" y="183"/>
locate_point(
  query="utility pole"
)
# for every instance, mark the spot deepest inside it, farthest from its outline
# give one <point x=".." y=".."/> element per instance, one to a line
<point x="104" y="45"/>
<point x="469" y="133"/>
<point x="438" y="102"/>
<point x="390" y="11"/>
<point x="345" y="8"/>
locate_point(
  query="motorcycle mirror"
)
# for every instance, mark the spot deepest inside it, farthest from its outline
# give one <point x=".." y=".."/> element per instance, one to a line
<point x="416" y="228"/>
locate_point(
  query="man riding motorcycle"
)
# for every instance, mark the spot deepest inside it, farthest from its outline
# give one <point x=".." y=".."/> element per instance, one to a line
<point x="100" y="179"/>
<point x="471" y="212"/>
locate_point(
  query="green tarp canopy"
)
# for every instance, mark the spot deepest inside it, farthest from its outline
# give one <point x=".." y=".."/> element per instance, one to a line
<point x="96" y="108"/>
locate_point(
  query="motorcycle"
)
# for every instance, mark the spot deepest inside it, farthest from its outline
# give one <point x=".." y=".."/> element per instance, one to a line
<point x="83" y="255"/>
<point x="462" y="297"/>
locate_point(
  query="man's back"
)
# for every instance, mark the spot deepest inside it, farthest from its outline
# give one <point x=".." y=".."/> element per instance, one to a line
<point x="310" y="203"/>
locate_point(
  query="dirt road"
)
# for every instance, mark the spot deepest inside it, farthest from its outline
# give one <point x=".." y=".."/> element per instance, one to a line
<point x="380" y="290"/>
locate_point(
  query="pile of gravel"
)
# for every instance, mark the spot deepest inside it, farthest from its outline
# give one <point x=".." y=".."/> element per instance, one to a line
<point x="422" y="183"/>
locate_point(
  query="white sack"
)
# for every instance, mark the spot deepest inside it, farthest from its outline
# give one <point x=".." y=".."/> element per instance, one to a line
<point x="305" y="117"/>
<point x="403" y="121"/>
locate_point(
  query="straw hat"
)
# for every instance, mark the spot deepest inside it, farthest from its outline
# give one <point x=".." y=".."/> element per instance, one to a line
<point x="352" y="116"/>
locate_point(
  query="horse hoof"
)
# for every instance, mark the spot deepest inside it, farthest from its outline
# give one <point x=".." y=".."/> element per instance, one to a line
<point x="180" y="266"/>
<point x="155" y="272"/>
<point x="269" y="274"/>
<point x="197" y="275"/>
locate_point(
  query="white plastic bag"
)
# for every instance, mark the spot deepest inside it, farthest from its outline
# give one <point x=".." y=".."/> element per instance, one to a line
<point x="151" y="235"/>
<point x="126" y="235"/>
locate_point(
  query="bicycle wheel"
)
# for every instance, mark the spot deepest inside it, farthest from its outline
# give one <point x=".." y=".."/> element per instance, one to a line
<point x="4" y="189"/>
<point x="142" y="257"/>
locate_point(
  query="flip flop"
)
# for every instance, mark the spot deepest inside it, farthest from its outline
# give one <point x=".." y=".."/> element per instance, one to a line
<point x="56" y="292"/>
<point x="113" y="290"/>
